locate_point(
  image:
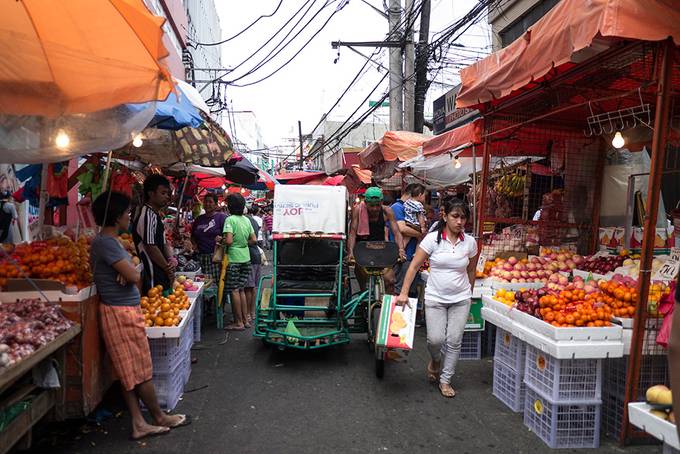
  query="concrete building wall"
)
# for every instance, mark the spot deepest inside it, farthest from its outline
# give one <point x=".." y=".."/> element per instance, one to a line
<point x="513" y="17"/>
<point x="204" y="26"/>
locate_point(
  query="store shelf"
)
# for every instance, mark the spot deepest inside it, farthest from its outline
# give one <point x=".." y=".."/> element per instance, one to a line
<point x="24" y="422"/>
<point x="640" y="417"/>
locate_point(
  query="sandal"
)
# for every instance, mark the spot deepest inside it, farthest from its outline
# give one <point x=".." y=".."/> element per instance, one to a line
<point x="184" y="420"/>
<point x="234" y="327"/>
<point x="446" y="390"/>
<point x="432" y="374"/>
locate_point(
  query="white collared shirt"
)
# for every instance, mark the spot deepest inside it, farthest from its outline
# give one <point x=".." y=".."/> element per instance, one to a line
<point x="448" y="281"/>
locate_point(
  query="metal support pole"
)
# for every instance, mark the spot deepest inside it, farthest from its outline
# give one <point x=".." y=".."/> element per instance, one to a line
<point x="658" y="157"/>
<point x="485" y="177"/>
<point x="42" y="202"/>
<point x="396" y="75"/>
<point x="409" y="71"/>
<point x="302" y="158"/>
<point x="474" y="190"/>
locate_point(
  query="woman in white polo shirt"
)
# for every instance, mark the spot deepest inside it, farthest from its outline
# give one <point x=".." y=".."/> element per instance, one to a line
<point x="453" y="260"/>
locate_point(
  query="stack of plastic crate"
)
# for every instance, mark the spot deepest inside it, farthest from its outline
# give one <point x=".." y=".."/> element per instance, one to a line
<point x="198" y="318"/>
<point x="653" y="371"/>
<point x="508" y="370"/>
<point x="563" y="399"/>
<point x="171" y="359"/>
<point x="471" y="347"/>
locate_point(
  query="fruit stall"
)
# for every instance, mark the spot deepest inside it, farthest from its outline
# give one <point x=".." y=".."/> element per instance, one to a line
<point x="34" y="341"/>
<point x="575" y="238"/>
<point x="57" y="271"/>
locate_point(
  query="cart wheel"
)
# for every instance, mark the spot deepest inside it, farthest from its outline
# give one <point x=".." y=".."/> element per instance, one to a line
<point x="379" y="367"/>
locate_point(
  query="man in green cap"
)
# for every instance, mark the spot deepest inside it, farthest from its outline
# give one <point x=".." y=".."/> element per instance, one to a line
<point x="369" y="219"/>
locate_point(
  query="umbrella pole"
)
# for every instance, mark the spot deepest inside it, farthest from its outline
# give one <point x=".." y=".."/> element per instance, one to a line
<point x="107" y="171"/>
<point x="42" y="202"/>
<point x="179" y="202"/>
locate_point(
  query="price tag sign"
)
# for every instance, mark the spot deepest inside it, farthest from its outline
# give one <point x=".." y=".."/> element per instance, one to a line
<point x="480" y="263"/>
<point x="669" y="270"/>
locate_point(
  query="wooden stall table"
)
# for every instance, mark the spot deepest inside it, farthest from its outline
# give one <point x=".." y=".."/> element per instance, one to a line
<point x="42" y="400"/>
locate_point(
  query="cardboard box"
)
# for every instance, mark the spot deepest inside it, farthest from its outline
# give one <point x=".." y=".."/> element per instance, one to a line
<point x="396" y="328"/>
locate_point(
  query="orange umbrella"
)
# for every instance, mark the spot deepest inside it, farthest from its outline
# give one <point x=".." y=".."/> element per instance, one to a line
<point x="63" y="57"/>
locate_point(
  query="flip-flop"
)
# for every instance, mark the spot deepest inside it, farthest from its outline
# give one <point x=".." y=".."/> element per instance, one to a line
<point x="432" y="375"/>
<point x="449" y="394"/>
<point x="185" y="420"/>
<point x="151" y="434"/>
<point x="234" y="328"/>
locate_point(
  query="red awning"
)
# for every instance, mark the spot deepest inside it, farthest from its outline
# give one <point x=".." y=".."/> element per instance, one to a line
<point x="553" y="43"/>
<point x="470" y="133"/>
<point x="394" y="146"/>
<point x="298" y="177"/>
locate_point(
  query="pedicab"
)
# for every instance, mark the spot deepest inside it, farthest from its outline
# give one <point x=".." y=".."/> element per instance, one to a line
<point x="307" y="302"/>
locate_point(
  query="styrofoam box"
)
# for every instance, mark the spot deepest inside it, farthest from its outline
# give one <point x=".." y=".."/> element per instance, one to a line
<point x="587" y="274"/>
<point x="478" y="292"/>
<point x="495" y="285"/>
<point x="508" y="386"/>
<point x="157" y="332"/>
<point x="563" y="425"/>
<point x="639" y="415"/>
<point x="51" y="295"/>
<point x="189" y="274"/>
<point x="563" y="380"/>
<point x="195" y="293"/>
<point x="557" y="349"/>
<point x="577" y="333"/>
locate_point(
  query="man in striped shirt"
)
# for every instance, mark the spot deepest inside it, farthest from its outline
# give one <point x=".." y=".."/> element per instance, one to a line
<point x="149" y="235"/>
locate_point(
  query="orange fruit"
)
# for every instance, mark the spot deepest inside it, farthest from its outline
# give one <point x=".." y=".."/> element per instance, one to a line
<point x="165" y="307"/>
<point x="158" y="321"/>
<point x="168" y="322"/>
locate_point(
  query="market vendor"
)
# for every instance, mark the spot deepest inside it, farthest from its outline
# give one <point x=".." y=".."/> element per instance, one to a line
<point x="121" y="319"/>
<point x="148" y="234"/>
<point x="368" y="224"/>
<point x="205" y="230"/>
<point x="453" y="261"/>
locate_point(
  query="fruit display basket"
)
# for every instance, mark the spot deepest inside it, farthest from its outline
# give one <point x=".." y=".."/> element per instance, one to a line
<point x="509" y="386"/>
<point x="563" y="380"/>
<point x="159" y="332"/>
<point x="510" y="350"/>
<point x="562" y="425"/>
<point x="640" y="416"/>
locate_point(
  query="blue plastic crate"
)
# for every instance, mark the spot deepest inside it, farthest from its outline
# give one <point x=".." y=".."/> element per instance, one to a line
<point x="563" y="425"/>
<point x="471" y="347"/>
<point x="508" y="386"/>
<point x="563" y="380"/>
<point x="510" y="350"/>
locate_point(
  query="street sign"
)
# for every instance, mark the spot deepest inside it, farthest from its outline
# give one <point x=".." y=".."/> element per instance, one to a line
<point x="375" y="103"/>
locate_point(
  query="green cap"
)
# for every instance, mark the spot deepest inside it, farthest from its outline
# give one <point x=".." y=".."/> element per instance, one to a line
<point x="373" y="195"/>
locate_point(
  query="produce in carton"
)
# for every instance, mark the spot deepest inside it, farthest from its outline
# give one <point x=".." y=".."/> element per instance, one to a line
<point x="159" y="310"/>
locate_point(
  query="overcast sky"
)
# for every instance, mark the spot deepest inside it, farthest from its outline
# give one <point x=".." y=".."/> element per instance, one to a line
<point x="308" y="86"/>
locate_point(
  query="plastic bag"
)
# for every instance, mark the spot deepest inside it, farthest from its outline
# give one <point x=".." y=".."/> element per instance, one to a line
<point x="666" y="307"/>
<point x="45" y="375"/>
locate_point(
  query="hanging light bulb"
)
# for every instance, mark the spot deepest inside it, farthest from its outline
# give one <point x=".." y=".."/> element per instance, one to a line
<point x="456" y="163"/>
<point x="138" y="141"/>
<point x="62" y="141"/>
<point x="618" y="141"/>
<point x="224" y="187"/>
<point x="243" y="190"/>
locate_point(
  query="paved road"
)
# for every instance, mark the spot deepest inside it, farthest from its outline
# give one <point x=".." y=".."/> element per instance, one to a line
<point x="248" y="398"/>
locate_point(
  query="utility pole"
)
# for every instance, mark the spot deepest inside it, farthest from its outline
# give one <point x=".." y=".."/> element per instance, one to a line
<point x="409" y="70"/>
<point x="396" y="75"/>
<point x="302" y="154"/>
<point x="422" y="57"/>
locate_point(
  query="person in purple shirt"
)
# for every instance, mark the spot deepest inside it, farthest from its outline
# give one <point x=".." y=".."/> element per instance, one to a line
<point x="204" y="232"/>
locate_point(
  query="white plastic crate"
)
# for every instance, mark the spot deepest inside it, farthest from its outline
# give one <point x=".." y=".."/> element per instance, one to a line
<point x="612" y="414"/>
<point x="508" y="386"/>
<point x="510" y="350"/>
<point x="186" y="368"/>
<point x="170" y="386"/>
<point x="471" y="347"/>
<point x="562" y="425"/>
<point x="198" y="319"/>
<point x="563" y="380"/>
<point x="167" y="353"/>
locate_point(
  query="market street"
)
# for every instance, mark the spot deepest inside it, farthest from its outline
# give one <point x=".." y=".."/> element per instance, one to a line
<point x="250" y="398"/>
